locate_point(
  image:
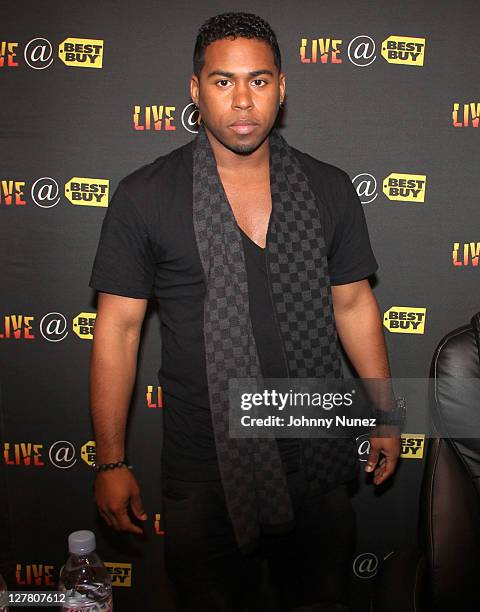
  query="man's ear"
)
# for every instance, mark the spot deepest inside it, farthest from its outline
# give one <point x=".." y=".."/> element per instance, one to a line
<point x="194" y="87"/>
<point x="281" y="81"/>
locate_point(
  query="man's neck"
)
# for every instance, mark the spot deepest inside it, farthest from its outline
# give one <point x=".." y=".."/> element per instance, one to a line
<point x="230" y="164"/>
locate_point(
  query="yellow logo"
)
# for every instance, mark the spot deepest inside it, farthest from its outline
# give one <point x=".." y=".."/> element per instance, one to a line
<point x="88" y="452"/>
<point x="412" y="446"/>
<point x="83" y="325"/>
<point x="87" y="191"/>
<point x="405" y="320"/>
<point x="405" y="187"/>
<point x="404" y="50"/>
<point x="81" y="52"/>
<point x="121" y="574"/>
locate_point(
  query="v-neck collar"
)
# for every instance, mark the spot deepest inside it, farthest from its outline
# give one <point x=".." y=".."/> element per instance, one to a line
<point x="187" y="154"/>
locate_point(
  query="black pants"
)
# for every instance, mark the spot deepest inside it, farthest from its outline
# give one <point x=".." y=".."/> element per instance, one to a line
<point x="309" y="568"/>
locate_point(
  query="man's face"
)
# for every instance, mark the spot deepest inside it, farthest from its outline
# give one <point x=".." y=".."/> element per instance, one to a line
<point x="238" y="92"/>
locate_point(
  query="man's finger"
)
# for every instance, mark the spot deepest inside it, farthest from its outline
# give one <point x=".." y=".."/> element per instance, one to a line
<point x="105" y="517"/>
<point x="111" y="515"/>
<point x="385" y="471"/>
<point x="125" y="524"/>
<point x="137" y="507"/>
<point x="372" y="459"/>
<point x="382" y="461"/>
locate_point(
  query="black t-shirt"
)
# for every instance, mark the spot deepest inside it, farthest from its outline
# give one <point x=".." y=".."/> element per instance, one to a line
<point x="266" y="333"/>
<point x="147" y="249"/>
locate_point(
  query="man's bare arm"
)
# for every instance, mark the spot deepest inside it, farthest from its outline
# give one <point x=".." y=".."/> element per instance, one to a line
<point x="359" y="326"/>
<point x="113" y="367"/>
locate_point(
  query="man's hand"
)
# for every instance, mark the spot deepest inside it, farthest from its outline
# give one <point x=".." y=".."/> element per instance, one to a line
<point x="390" y="447"/>
<point x="114" y="491"/>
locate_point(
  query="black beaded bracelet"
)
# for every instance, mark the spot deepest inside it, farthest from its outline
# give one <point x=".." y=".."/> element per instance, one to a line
<point x="110" y="466"/>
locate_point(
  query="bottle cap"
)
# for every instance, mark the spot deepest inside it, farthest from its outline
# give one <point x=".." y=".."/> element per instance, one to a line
<point x="81" y="542"/>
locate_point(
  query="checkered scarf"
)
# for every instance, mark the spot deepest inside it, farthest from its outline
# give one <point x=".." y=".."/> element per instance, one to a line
<point x="251" y="470"/>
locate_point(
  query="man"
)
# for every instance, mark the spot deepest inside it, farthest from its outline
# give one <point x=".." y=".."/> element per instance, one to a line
<point x="190" y="229"/>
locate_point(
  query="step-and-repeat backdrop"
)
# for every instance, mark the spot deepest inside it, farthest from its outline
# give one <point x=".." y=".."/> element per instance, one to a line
<point x="92" y="91"/>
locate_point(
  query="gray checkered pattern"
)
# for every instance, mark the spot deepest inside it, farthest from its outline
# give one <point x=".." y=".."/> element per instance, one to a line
<point x="253" y="479"/>
<point x="302" y="294"/>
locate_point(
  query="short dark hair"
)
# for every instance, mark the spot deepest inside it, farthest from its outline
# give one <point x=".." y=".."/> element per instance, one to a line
<point x="236" y="25"/>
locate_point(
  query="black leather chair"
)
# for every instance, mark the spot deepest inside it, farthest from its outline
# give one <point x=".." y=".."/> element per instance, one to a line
<point x="442" y="574"/>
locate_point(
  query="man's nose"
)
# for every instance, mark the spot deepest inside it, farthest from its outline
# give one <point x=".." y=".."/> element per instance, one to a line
<point x="242" y="97"/>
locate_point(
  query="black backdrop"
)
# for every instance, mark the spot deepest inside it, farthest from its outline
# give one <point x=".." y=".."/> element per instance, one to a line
<point x="69" y="132"/>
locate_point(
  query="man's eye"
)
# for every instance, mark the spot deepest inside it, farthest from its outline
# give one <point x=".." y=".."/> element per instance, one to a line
<point x="223" y="81"/>
<point x="260" y="81"/>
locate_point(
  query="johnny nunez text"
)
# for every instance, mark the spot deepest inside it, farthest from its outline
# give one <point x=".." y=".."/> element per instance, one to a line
<point x="276" y="421"/>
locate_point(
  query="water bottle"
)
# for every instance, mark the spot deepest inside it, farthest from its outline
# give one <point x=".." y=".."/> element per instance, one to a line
<point x="84" y="578"/>
<point x="3" y="595"/>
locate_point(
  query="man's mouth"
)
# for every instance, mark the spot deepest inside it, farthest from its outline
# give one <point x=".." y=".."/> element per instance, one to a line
<point x="243" y="127"/>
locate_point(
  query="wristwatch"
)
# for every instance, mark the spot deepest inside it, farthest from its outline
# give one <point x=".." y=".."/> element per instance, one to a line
<point x="397" y="416"/>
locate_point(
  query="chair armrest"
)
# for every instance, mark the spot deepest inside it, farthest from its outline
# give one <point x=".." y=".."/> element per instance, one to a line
<point x="399" y="583"/>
